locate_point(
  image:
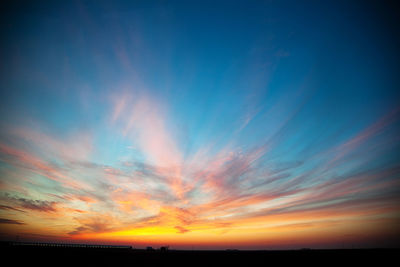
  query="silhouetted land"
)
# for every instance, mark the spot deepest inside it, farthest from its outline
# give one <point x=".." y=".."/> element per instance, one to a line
<point x="35" y="255"/>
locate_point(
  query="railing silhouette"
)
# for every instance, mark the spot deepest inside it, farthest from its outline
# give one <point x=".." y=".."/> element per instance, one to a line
<point x="67" y="245"/>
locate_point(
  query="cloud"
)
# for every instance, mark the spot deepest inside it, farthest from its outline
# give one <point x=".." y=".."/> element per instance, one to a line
<point x="74" y="146"/>
<point x="142" y="119"/>
<point x="222" y="188"/>
<point x="5" y="207"/>
<point x="356" y="142"/>
<point x="29" y="204"/>
<point x="26" y="160"/>
<point x="9" y="221"/>
<point x="79" y="230"/>
<point x="39" y="205"/>
<point x="181" y="230"/>
<point x="94" y="223"/>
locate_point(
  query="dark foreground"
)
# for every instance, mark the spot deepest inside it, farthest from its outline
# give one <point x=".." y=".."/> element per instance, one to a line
<point x="67" y="256"/>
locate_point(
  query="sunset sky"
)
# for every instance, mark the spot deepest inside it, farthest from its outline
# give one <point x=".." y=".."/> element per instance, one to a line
<point x="200" y="124"/>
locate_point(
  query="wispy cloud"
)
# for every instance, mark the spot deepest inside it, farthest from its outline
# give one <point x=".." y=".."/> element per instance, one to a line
<point x="165" y="191"/>
<point x="35" y="205"/>
<point x="5" y="207"/>
<point x="8" y="221"/>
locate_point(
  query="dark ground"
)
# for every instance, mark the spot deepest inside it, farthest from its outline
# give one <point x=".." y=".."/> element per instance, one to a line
<point x="56" y="256"/>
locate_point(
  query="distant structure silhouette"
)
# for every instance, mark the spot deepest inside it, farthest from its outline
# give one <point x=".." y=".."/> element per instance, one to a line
<point x="164" y="249"/>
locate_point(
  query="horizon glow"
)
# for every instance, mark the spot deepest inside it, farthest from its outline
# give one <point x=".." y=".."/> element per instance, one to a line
<point x="249" y="125"/>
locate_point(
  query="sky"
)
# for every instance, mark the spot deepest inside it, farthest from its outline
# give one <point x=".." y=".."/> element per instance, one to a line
<point x="200" y="124"/>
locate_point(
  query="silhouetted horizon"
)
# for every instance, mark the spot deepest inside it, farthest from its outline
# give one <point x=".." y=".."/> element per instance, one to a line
<point x="81" y="256"/>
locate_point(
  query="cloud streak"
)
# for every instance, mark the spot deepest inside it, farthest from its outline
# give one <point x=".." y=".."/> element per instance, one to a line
<point x="8" y="221"/>
<point x="162" y="191"/>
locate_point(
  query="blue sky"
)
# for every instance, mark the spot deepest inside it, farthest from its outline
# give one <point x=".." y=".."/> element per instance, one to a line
<point x="177" y="104"/>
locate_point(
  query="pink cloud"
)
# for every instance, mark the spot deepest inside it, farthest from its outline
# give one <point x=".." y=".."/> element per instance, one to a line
<point x="77" y="146"/>
<point x="142" y="117"/>
<point x="355" y="142"/>
<point x="143" y="120"/>
<point x="27" y="160"/>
